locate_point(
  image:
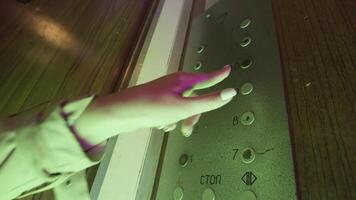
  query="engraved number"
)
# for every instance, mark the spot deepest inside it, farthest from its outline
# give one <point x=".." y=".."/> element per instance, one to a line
<point x="235" y="120"/>
<point x="235" y="153"/>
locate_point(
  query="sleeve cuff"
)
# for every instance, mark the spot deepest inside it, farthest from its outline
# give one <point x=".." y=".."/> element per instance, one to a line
<point x="55" y="146"/>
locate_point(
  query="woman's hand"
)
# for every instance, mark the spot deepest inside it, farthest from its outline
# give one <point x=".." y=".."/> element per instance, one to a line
<point x="160" y="103"/>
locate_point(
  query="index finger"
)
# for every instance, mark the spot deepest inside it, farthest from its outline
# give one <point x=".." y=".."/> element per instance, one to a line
<point x="205" y="80"/>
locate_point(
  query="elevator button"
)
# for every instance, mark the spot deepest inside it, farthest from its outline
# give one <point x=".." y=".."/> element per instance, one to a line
<point x="246" y="63"/>
<point x="248" y="155"/>
<point x="248" y="195"/>
<point x="178" y="194"/>
<point x="201" y="49"/>
<point x="208" y="194"/>
<point x="245" y="41"/>
<point x="247" y="118"/>
<point x="245" y="23"/>
<point x="183" y="160"/>
<point x="246" y="88"/>
<point x="197" y="66"/>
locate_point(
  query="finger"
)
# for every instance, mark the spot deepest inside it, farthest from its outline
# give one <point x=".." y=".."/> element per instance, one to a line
<point x="188" y="125"/>
<point x="208" y="102"/>
<point x="205" y="80"/>
<point x="170" y="127"/>
<point x="160" y="127"/>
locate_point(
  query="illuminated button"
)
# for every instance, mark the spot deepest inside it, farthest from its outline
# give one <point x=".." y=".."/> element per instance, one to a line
<point x="246" y="88"/>
<point x="248" y="155"/>
<point x="208" y="194"/>
<point x="247" y="118"/>
<point x="208" y="15"/>
<point x="245" y="23"/>
<point x="178" y="194"/>
<point x="183" y="160"/>
<point x="248" y="195"/>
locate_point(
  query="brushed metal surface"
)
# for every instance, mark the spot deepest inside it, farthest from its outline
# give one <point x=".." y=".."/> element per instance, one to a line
<point x="217" y="147"/>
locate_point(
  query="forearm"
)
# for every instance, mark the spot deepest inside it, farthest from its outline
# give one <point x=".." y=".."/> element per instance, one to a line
<point x="98" y="122"/>
<point x="159" y="102"/>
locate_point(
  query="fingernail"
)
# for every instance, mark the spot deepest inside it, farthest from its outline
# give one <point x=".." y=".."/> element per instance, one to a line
<point x="227" y="94"/>
<point x="227" y="66"/>
<point x="171" y="128"/>
<point x="188" y="132"/>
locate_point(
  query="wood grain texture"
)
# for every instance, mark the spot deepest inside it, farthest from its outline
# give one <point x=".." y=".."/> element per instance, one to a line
<point x="51" y="50"/>
<point x="317" y="41"/>
<point x="59" y="49"/>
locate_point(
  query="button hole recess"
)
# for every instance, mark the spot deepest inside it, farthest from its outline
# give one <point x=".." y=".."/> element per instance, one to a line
<point x="183" y="160"/>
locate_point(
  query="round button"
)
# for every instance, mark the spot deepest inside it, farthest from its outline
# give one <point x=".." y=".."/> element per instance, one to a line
<point x="178" y="193"/>
<point x="208" y="194"/>
<point x="246" y="63"/>
<point x="247" y="118"/>
<point x="248" y="155"/>
<point x="246" y="88"/>
<point x="197" y="66"/>
<point x="248" y="195"/>
<point x="69" y="183"/>
<point x="245" y="23"/>
<point x="245" y="41"/>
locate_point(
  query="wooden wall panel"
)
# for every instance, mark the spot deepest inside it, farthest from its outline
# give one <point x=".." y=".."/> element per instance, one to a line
<point x="51" y="50"/>
<point x="55" y="49"/>
<point x="317" y="41"/>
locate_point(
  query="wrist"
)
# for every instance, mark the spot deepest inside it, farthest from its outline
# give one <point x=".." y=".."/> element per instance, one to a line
<point x="95" y="125"/>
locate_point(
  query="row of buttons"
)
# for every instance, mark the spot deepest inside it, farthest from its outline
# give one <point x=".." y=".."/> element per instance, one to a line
<point x="247" y="156"/>
<point x="246" y="119"/>
<point x="243" y="43"/>
<point x="209" y="194"/>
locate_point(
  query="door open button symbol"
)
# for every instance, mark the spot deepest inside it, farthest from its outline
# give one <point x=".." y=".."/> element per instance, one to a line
<point x="249" y="178"/>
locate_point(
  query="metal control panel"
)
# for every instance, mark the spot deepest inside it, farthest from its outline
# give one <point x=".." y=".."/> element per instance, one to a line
<point x="241" y="151"/>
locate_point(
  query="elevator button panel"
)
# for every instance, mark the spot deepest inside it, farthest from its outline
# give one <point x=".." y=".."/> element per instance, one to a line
<point x="241" y="151"/>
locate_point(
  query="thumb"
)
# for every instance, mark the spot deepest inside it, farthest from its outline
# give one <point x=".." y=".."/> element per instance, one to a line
<point x="212" y="101"/>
